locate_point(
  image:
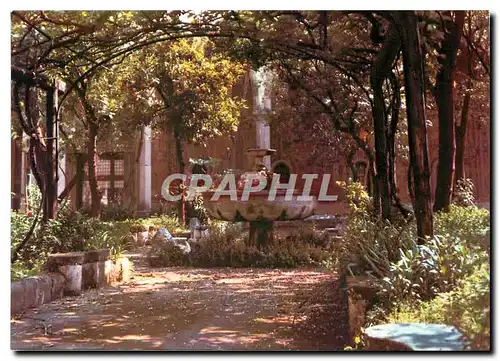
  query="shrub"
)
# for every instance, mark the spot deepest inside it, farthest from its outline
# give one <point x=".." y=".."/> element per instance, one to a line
<point x="423" y="271"/>
<point x="389" y="252"/>
<point x="116" y="210"/>
<point x="225" y="247"/>
<point x="18" y="271"/>
<point x="370" y="245"/>
<point x="470" y="223"/>
<point x="161" y="221"/>
<point x="70" y="232"/>
<point x="466" y="307"/>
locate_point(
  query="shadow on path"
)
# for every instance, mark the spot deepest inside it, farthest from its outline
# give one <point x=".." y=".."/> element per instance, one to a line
<point x="194" y="309"/>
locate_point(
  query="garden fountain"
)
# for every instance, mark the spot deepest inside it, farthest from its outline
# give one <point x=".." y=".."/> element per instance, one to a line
<point x="259" y="210"/>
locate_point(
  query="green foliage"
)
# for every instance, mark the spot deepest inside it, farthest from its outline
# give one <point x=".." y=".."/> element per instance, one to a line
<point x="467" y="307"/>
<point x="116" y="211"/>
<point x="358" y="200"/>
<point x="171" y="223"/>
<point x="70" y="232"/>
<point x="470" y="223"/>
<point x="18" y="271"/>
<point x="410" y="271"/>
<point x="194" y="85"/>
<point x="111" y="235"/>
<point x="464" y="193"/>
<point x="446" y="280"/>
<point x="73" y="232"/>
<point x="226" y="247"/>
<point x="370" y="245"/>
<point x="424" y="271"/>
<point x="33" y="196"/>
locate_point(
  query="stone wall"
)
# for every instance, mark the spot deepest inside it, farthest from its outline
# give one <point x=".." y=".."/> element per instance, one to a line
<point x="35" y="291"/>
<point x="68" y="275"/>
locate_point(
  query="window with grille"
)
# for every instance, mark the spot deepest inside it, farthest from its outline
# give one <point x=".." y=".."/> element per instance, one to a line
<point x="110" y="171"/>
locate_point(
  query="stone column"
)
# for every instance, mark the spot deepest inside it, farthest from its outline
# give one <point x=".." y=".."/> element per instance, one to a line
<point x="61" y="170"/>
<point x="144" y="171"/>
<point x="262" y="107"/>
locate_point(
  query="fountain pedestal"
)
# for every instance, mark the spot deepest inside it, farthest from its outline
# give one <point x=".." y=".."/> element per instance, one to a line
<point x="261" y="233"/>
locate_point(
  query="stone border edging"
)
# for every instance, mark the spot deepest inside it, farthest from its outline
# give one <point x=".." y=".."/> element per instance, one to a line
<point x="68" y="274"/>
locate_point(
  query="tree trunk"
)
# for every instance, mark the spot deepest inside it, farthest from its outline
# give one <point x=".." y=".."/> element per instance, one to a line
<point x="50" y="176"/>
<point x="80" y="179"/>
<point x="17" y="172"/>
<point x="37" y="156"/>
<point x="417" y="132"/>
<point x="444" y="99"/>
<point x="460" y="139"/>
<point x="391" y="140"/>
<point x="181" y="166"/>
<point x="67" y="189"/>
<point x="373" y="187"/>
<point x="461" y="129"/>
<point x="178" y="151"/>
<point x="260" y="234"/>
<point x="411" y="187"/>
<point x="92" y="125"/>
<point x="95" y="209"/>
<point x="30" y="123"/>
<point x="372" y="183"/>
<point x="380" y="71"/>
<point x="351" y="166"/>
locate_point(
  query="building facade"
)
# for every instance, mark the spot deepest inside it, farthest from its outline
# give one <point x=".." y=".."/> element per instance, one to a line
<point x="133" y="177"/>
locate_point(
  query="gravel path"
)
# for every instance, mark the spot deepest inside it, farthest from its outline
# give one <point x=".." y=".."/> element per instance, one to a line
<point x="194" y="309"/>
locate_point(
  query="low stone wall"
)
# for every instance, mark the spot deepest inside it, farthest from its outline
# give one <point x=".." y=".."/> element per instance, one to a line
<point x="35" y="291"/>
<point x="360" y="292"/>
<point x="68" y="275"/>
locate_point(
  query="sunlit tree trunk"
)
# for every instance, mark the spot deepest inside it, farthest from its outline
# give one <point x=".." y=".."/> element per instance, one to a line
<point x="92" y="130"/>
<point x="95" y="195"/>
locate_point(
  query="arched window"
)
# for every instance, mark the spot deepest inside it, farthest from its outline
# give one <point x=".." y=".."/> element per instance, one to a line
<point x="283" y="169"/>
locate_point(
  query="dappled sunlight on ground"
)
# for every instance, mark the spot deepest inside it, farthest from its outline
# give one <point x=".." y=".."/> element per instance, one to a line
<point x="183" y="309"/>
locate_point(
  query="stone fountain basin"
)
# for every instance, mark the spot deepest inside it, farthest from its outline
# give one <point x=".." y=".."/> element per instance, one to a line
<point x="258" y="207"/>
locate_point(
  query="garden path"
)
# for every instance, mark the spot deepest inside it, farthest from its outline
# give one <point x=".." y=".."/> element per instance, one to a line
<point x="194" y="309"/>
